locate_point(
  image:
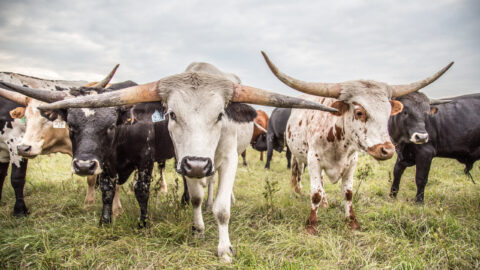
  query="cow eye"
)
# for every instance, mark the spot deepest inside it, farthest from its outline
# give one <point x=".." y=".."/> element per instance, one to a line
<point x="360" y="115"/>
<point x="172" y="116"/>
<point x="219" y="118"/>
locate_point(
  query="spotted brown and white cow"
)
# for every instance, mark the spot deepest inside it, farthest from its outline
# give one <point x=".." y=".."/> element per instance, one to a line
<point x="329" y="142"/>
<point x="203" y="131"/>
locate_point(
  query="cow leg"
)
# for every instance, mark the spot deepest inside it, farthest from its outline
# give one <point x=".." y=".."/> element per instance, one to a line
<point x="347" y="187"/>
<point x="90" y="196"/>
<point x="317" y="193"/>
<point x="244" y="157"/>
<point x="142" y="193"/>
<point x="296" y="177"/>
<point x="261" y="155"/>
<point x="3" y="174"/>
<point x="117" y="208"/>
<point x="18" y="182"/>
<point x="221" y="205"/>
<point x="186" y="194"/>
<point x="423" y="163"/>
<point x="107" y="186"/>
<point x="288" y="154"/>
<point x="195" y="189"/>
<point x="211" y="186"/>
<point x="163" y="183"/>
<point x="269" y="151"/>
<point x="397" y="175"/>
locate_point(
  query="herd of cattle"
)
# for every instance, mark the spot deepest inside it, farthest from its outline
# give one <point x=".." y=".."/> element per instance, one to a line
<point x="201" y="118"/>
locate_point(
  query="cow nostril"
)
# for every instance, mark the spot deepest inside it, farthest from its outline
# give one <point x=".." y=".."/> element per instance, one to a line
<point x="196" y="167"/>
<point x="417" y="137"/>
<point x="24" y="148"/>
<point x="384" y="151"/>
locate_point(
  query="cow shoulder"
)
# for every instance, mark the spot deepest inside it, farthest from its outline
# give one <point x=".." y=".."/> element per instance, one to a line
<point x="240" y="112"/>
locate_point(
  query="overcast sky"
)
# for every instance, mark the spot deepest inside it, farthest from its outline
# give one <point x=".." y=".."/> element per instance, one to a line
<point x="330" y="41"/>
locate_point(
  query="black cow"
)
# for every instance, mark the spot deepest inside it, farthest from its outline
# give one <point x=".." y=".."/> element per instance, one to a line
<point x="9" y="129"/>
<point x="426" y="129"/>
<point x="276" y="134"/>
<point x="114" y="142"/>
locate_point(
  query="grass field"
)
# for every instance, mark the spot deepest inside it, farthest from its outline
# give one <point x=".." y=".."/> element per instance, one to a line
<point x="266" y="225"/>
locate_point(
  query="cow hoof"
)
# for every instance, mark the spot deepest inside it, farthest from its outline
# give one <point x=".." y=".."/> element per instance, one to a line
<point x="198" y="233"/>
<point x="20" y="213"/>
<point x="419" y="202"/>
<point x="117" y="211"/>
<point x="312" y="230"/>
<point x="226" y="255"/>
<point x="245" y="164"/>
<point x="105" y="221"/>
<point x="393" y="195"/>
<point x="142" y="224"/>
<point x="354" y="225"/>
<point x="20" y="210"/>
<point x="88" y="203"/>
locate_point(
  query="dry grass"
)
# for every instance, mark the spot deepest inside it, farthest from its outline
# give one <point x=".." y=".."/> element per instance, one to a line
<point x="266" y="228"/>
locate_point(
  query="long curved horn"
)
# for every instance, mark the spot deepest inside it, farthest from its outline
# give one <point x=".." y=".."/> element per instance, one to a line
<point x="252" y="95"/>
<point x="317" y="89"/>
<point x="403" y="89"/>
<point x="15" y="97"/>
<point x="106" y="80"/>
<point x="42" y="95"/>
<point x="131" y="95"/>
<point x="439" y="101"/>
<point x="260" y="127"/>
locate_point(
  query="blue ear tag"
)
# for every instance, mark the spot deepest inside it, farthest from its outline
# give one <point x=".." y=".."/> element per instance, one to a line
<point x="157" y="117"/>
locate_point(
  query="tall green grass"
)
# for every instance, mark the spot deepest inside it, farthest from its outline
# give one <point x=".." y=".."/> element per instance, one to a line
<point x="266" y="226"/>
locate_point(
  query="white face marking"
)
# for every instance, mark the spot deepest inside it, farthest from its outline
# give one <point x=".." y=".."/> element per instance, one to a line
<point x="88" y="112"/>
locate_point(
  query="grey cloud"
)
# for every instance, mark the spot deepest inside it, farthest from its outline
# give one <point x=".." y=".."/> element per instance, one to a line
<point x="390" y="41"/>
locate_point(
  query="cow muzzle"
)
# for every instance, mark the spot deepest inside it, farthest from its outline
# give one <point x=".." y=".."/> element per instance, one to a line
<point x="196" y="167"/>
<point x="382" y="151"/>
<point x="419" y="138"/>
<point x="25" y="150"/>
<point x="86" y="167"/>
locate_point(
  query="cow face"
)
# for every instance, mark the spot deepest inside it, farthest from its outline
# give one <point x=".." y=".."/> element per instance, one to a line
<point x="409" y="125"/>
<point x="260" y="144"/>
<point x="92" y="133"/>
<point x="40" y="135"/>
<point x="195" y="129"/>
<point x="366" y="108"/>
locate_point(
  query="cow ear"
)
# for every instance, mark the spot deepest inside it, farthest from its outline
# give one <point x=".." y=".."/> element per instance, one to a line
<point x="53" y="115"/>
<point x="397" y="107"/>
<point x="433" y="110"/>
<point x="17" y="113"/>
<point x="341" y="106"/>
<point x="240" y="112"/>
